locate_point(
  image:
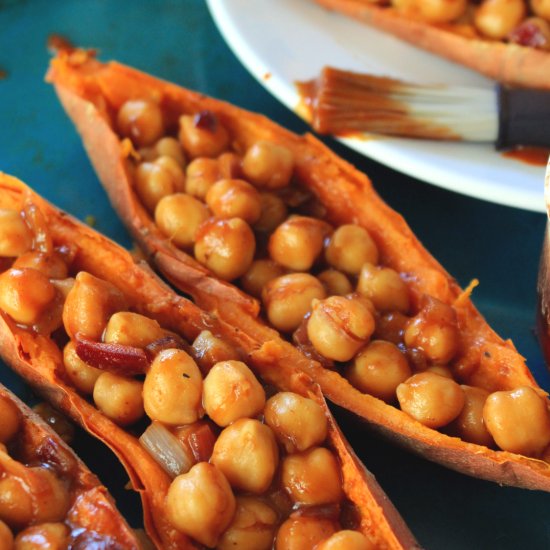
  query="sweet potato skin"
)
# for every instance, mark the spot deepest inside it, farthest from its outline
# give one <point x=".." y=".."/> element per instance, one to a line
<point x="38" y="360"/>
<point x="510" y="64"/>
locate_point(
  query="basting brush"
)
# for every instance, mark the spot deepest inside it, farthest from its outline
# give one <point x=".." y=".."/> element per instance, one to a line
<point x="343" y="102"/>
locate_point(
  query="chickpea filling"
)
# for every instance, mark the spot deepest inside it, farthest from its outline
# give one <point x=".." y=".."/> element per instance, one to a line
<point x="243" y="214"/>
<point x="251" y="467"/>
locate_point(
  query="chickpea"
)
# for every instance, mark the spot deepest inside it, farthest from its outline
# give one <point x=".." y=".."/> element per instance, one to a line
<point x="312" y="477"/>
<point x="119" y="398"/>
<point x="541" y="8"/>
<point x="441" y="370"/>
<point x="268" y="165"/>
<point x="226" y="247"/>
<point x="431" y="399"/>
<point x="287" y="299"/>
<point x="335" y="282"/>
<point x="391" y="327"/>
<point x="259" y="274"/>
<point x="89" y="305"/>
<point x="303" y="533"/>
<point x="347" y="540"/>
<point x="16" y="505"/>
<point x="379" y="369"/>
<point x="273" y="212"/>
<point x="384" y="287"/>
<point x="433" y="11"/>
<point x="50" y="264"/>
<point x="298" y="422"/>
<point x="172" y="389"/>
<point x="11" y="419"/>
<point x="434" y="331"/>
<point x="170" y="147"/>
<point x="253" y="526"/>
<point x="202" y="135"/>
<point x="141" y="121"/>
<point x="46" y="536"/>
<point x="132" y="329"/>
<point x="297" y="243"/>
<point x="231" y="391"/>
<point x="247" y="454"/>
<point x="6" y="537"/>
<point x="518" y="420"/>
<point x="209" y="350"/>
<point x="497" y="18"/>
<point x="201" y="504"/>
<point x="179" y="217"/>
<point x="338" y="327"/>
<point x="82" y="376"/>
<point x="349" y="247"/>
<point x="469" y="424"/>
<point x="153" y="182"/>
<point x="172" y="166"/>
<point x="25" y="294"/>
<point x="15" y="235"/>
<point x="234" y="198"/>
<point x="202" y="173"/>
<point x="229" y="164"/>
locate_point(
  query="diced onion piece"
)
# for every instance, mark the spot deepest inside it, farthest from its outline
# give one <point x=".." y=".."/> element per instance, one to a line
<point x="166" y="449"/>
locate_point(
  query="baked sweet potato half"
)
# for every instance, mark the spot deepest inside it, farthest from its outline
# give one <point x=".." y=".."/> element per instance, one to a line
<point x="47" y="494"/>
<point x="348" y="294"/>
<point x="219" y="458"/>
<point x="508" y="41"/>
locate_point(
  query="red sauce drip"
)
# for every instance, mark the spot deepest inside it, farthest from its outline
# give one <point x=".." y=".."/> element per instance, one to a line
<point x="536" y="156"/>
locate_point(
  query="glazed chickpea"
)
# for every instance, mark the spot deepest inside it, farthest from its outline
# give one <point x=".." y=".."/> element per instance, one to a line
<point x="303" y="533"/>
<point x="132" y="329"/>
<point x="297" y="243"/>
<point x="202" y="135"/>
<point x="246" y="453"/>
<point x="431" y="399"/>
<point x="234" y="198"/>
<point x="259" y="274"/>
<point x="312" y="477"/>
<point x="518" y="420"/>
<point x="179" y="217"/>
<point x="288" y="298"/>
<point x="226" y="247"/>
<point x="50" y="264"/>
<point x="152" y="183"/>
<point x="379" y="369"/>
<point x="349" y="247"/>
<point x="172" y="389"/>
<point x="335" y="282"/>
<point x="497" y="18"/>
<point x="202" y="173"/>
<point x="469" y="424"/>
<point x="347" y="540"/>
<point x="441" y="370"/>
<point x="339" y="326"/>
<point x="119" y="398"/>
<point x="440" y="11"/>
<point x="89" y="305"/>
<point x="25" y="294"/>
<point x="15" y="236"/>
<point x="46" y="536"/>
<point x="170" y="147"/>
<point x="268" y="165"/>
<point x="253" y="526"/>
<point x="82" y="376"/>
<point x="16" y="505"/>
<point x="384" y="287"/>
<point x="6" y="537"/>
<point x="201" y="504"/>
<point x="541" y="8"/>
<point x="391" y="327"/>
<point x="434" y="331"/>
<point x="273" y="212"/>
<point x="141" y="121"/>
<point x="11" y="419"/>
<point x="231" y="391"/>
<point x="298" y="422"/>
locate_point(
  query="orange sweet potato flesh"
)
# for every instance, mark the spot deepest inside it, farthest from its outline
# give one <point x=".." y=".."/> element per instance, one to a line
<point x="91" y="91"/>
<point x="38" y="360"/>
<point x="92" y="508"/>
<point x="510" y="64"/>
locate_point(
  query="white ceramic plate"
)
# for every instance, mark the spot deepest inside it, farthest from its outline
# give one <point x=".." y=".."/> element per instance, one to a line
<point x="284" y="41"/>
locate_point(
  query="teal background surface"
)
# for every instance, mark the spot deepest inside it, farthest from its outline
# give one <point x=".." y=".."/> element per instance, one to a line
<point x="178" y="41"/>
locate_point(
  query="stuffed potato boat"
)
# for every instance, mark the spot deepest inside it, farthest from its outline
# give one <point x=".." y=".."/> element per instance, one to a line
<point x="219" y="459"/>
<point x="372" y="317"/>
<point x="506" y="40"/>
<point x="47" y="495"/>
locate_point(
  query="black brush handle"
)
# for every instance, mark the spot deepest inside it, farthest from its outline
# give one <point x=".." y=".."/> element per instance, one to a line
<point x="524" y="117"/>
